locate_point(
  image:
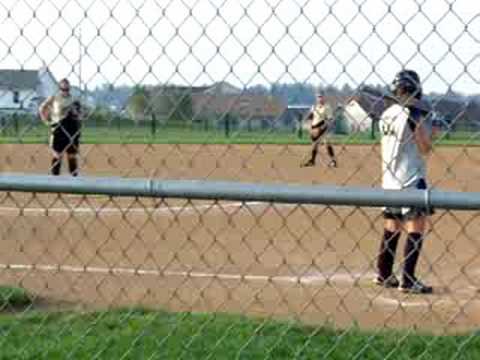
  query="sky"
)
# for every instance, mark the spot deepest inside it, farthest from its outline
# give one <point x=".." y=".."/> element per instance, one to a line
<point x="245" y="42"/>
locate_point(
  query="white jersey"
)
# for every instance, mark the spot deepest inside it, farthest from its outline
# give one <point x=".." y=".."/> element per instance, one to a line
<point x="321" y="112"/>
<point x="402" y="163"/>
<point x="59" y="106"/>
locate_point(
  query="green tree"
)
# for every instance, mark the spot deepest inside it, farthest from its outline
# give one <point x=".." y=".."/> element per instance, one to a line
<point x="172" y="104"/>
<point x="138" y="104"/>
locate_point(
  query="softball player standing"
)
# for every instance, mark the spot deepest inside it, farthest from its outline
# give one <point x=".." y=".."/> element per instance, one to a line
<point x="321" y="117"/>
<point x="405" y="140"/>
<point x="63" y="114"/>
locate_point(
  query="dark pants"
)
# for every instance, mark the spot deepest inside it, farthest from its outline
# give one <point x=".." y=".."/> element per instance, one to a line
<point x="66" y="136"/>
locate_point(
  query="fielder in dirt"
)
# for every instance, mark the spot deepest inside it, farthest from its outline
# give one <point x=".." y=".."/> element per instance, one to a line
<point x="406" y="139"/>
<point x="321" y="117"/>
<point x="63" y="114"/>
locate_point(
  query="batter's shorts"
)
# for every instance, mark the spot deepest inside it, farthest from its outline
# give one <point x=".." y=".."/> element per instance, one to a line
<point x="408" y="213"/>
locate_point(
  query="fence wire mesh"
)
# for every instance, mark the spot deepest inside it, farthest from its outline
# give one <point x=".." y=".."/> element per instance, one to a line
<point x="222" y="90"/>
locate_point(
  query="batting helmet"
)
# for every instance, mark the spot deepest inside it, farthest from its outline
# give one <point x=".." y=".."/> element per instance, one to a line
<point x="409" y="81"/>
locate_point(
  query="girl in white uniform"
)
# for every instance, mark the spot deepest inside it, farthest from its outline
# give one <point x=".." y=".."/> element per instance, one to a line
<point x="405" y="141"/>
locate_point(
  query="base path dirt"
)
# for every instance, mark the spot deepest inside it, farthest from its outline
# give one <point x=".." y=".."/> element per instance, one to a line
<point x="310" y="263"/>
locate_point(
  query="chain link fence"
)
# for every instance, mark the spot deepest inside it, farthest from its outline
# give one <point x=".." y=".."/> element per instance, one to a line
<point x="220" y="90"/>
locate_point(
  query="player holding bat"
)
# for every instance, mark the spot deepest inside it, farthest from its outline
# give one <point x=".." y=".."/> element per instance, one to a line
<point x="406" y="139"/>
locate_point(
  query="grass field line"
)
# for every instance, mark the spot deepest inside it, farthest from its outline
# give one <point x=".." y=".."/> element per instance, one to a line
<point x="157" y="272"/>
<point x="123" y="210"/>
<point x="308" y="278"/>
<point x="388" y="301"/>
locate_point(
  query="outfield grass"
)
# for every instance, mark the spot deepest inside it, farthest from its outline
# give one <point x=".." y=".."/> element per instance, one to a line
<point x="167" y="136"/>
<point x="139" y="334"/>
<point x="177" y="135"/>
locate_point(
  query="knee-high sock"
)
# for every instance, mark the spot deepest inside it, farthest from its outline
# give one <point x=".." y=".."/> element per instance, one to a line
<point x="73" y="166"/>
<point x="330" y="152"/>
<point x="413" y="247"/>
<point x="314" y="152"/>
<point x="386" y="256"/>
<point x="56" y="166"/>
<point x="314" y="147"/>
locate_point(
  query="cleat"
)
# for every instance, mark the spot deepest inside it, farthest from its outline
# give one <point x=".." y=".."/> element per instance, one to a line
<point x="308" y="163"/>
<point x="389" y="282"/>
<point x="416" y="287"/>
<point x="332" y="164"/>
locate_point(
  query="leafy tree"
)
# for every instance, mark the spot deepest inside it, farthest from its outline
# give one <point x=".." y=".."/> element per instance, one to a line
<point x="138" y="104"/>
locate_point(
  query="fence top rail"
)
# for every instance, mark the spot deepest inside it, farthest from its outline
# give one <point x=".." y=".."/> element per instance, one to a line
<point x="238" y="191"/>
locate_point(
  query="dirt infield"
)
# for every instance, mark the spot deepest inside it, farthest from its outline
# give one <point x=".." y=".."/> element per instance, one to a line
<point x="312" y="263"/>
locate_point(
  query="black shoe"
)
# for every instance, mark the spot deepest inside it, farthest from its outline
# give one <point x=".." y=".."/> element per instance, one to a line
<point x="389" y="282"/>
<point x="308" y="163"/>
<point x="416" y="287"/>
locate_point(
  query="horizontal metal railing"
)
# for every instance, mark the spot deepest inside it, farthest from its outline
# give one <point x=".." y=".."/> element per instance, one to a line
<point x="239" y="191"/>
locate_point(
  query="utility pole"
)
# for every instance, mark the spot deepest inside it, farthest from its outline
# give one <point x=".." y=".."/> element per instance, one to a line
<point x="80" y="54"/>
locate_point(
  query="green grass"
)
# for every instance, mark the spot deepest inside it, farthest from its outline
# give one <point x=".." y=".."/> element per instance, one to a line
<point x="178" y="135"/>
<point x="14" y="298"/>
<point x="139" y="334"/>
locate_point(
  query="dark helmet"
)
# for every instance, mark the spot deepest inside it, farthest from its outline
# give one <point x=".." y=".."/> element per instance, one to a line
<point x="64" y="84"/>
<point x="409" y="81"/>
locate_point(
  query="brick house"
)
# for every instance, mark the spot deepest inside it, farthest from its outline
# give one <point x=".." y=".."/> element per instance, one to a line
<point x="213" y="104"/>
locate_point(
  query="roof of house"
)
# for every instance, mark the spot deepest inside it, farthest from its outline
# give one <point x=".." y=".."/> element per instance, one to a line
<point x="18" y="79"/>
<point x="222" y="87"/>
<point x="166" y="89"/>
<point x="218" y="88"/>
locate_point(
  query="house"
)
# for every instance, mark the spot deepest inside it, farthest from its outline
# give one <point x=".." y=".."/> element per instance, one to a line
<point x="352" y="114"/>
<point x="22" y="90"/>
<point x="294" y="116"/>
<point x="210" y="104"/>
<point x="456" y="113"/>
<point x="358" y="112"/>
<point x="248" y="111"/>
<point x="357" y="116"/>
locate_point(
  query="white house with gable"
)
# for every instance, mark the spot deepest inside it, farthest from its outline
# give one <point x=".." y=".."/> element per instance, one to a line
<point x="22" y="90"/>
<point x="357" y="118"/>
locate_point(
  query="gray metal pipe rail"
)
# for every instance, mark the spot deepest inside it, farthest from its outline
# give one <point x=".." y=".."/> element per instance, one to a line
<point x="237" y="191"/>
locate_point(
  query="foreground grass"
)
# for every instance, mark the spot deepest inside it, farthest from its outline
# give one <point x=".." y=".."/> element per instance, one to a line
<point x="139" y="334"/>
<point x="13" y="298"/>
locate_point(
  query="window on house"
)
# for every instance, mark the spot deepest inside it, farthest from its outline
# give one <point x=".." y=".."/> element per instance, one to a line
<point x="16" y="97"/>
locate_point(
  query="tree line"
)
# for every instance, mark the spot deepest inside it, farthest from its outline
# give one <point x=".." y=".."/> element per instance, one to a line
<point x="174" y="102"/>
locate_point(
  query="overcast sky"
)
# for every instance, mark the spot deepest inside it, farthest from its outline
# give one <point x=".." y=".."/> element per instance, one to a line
<point x="245" y="42"/>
